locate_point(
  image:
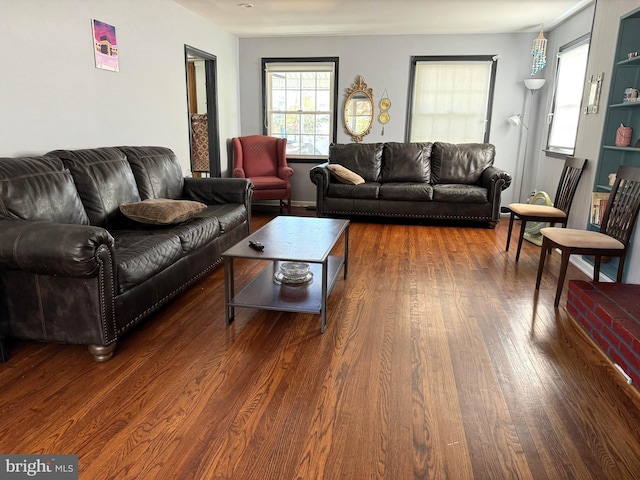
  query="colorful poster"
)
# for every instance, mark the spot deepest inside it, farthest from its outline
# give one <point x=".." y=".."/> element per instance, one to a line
<point x="105" y="46"/>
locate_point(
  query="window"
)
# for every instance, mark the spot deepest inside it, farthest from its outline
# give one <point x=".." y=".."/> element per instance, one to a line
<point x="567" y="96"/>
<point x="299" y="104"/>
<point x="450" y="99"/>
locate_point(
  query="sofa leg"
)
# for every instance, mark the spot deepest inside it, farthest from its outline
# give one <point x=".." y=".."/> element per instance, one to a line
<point x="3" y="351"/>
<point x="102" y="353"/>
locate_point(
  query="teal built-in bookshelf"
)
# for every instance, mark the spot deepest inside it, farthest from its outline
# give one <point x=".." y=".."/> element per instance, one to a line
<point x="625" y="74"/>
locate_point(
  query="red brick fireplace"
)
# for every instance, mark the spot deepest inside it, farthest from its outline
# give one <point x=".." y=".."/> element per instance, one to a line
<point x="610" y="314"/>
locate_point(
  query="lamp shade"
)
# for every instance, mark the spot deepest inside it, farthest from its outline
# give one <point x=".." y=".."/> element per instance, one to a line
<point x="534" y="83"/>
<point x="515" y="120"/>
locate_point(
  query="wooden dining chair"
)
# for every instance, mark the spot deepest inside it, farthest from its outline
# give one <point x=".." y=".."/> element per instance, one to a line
<point x="613" y="238"/>
<point x="559" y="212"/>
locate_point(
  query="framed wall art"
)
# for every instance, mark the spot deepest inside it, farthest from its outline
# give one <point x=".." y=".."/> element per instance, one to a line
<point x="105" y="46"/>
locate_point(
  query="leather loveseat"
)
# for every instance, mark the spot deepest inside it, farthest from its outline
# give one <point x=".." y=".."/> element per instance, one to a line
<point x="74" y="269"/>
<point x="439" y="181"/>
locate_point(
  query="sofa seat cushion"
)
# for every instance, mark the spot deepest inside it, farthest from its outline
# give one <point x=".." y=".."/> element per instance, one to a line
<point x="409" y="191"/>
<point x="39" y="189"/>
<point x="456" y="193"/>
<point x="196" y="233"/>
<point x="406" y="162"/>
<point x="142" y="254"/>
<point x="228" y="215"/>
<point x="268" y="183"/>
<point x="161" y="211"/>
<point x="365" y="159"/>
<point x="368" y="190"/>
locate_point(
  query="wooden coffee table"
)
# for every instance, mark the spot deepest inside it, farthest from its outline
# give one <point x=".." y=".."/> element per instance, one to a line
<point x="289" y="239"/>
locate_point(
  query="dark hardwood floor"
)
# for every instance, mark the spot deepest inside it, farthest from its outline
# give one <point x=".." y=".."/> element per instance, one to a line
<point x="438" y="361"/>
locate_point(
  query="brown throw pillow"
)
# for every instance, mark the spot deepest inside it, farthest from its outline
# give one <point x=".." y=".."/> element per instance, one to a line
<point x="161" y="211"/>
<point x="345" y="175"/>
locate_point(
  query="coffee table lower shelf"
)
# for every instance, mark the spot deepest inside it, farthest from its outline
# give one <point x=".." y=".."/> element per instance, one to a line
<point x="264" y="293"/>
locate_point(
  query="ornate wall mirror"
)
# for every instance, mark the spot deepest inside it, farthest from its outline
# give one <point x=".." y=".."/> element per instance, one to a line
<point x="358" y="110"/>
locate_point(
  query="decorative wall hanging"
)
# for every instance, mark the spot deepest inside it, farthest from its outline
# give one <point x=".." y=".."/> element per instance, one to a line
<point x="105" y="46"/>
<point x="593" y="93"/>
<point x="539" y="53"/>
<point x="385" y="105"/>
<point x="200" y="142"/>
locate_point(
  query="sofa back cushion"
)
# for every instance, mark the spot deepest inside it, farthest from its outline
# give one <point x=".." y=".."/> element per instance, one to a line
<point x="104" y="180"/>
<point x="365" y="159"/>
<point x="39" y="189"/>
<point x="406" y="162"/>
<point x="460" y="163"/>
<point x="157" y="172"/>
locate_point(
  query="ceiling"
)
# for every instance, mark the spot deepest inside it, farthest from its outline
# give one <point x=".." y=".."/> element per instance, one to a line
<point x="382" y="17"/>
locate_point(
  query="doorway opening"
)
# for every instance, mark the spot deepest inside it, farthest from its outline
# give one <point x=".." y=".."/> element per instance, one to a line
<point x="202" y="99"/>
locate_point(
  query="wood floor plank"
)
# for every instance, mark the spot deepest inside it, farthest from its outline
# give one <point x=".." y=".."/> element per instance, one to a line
<point x="439" y="361"/>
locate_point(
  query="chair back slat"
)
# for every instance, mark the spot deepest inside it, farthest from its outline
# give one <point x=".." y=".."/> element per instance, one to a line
<point x="569" y="179"/>
<point x="623" y="205"/>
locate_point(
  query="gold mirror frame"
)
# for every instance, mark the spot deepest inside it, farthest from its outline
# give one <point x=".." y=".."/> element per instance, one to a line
<point x="358" y="110"/>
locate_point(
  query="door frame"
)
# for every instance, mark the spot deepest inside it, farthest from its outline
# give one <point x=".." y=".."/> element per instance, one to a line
<point x="211" y="80"/>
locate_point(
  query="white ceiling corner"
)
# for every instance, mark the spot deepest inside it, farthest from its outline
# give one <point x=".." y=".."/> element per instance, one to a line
<point x="383" y="17"/>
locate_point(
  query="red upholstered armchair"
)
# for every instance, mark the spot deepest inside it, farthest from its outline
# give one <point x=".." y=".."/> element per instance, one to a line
<point x="263" y="160"/>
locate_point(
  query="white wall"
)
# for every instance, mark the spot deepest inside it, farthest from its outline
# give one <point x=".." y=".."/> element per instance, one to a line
<point x="384" y="62"/>
<point x="52" y="96"/>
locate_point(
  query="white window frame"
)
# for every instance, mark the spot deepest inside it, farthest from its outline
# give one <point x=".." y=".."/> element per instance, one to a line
<point x="311" y="145"/>
<point x="448" y="115"/>
<point x="566" y="103"/>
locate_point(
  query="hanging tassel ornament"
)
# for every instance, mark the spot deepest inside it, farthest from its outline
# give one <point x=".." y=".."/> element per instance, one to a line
<point x="539" y="53"/>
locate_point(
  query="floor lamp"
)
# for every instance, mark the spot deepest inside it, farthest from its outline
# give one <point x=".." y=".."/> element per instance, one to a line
<point x="533" y="85"/>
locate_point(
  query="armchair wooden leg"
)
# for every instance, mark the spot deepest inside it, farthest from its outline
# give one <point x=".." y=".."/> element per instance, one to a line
<point x="509" y="232"/>
<point x="563" y="272"/>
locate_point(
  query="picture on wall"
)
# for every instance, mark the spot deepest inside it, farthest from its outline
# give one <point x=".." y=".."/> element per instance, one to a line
<point x="105" y="46"/>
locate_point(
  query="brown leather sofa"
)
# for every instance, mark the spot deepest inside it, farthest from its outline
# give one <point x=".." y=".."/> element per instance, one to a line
<point x="437" y="181"/>
<point x="74" y="269"/>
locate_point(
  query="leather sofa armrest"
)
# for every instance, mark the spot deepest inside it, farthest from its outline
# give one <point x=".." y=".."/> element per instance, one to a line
<point x="495" y="180"/>
<point x="494" y="177"/>
<point x="54" y="248"/>
<point x="321" y="176"/>
<point x="214" y="191"/>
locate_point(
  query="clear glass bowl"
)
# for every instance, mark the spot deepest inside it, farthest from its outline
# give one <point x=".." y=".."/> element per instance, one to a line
<point x="294" y="270"/>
